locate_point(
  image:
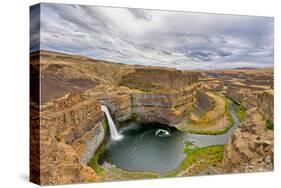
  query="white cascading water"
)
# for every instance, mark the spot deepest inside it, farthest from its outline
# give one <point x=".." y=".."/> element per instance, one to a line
<point x="113" y="131"/>
<point x="162" y="133"/>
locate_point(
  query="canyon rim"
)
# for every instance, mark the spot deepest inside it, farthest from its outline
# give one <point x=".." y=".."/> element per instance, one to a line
<point x="122" y="94"/>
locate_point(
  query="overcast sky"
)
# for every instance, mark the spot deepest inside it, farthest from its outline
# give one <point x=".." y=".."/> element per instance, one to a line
<point x="182" y="40"/>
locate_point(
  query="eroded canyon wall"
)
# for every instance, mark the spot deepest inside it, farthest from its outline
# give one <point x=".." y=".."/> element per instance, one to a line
<point x="65" y="132"/>
<point x="250" y="148"/>
<point x="71" y="127"/>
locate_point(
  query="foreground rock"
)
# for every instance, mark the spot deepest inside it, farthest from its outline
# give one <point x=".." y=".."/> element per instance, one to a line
<point x="65" y="132"/>
<point x="250" y="148"/>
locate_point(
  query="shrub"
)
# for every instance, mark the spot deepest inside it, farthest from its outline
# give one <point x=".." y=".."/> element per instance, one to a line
<point x="269" y="124"/>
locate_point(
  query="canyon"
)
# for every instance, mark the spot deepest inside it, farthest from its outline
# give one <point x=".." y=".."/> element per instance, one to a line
<point x="69" y="128"/>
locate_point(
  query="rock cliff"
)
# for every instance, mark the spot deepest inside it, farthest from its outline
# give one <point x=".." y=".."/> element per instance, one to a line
<point x="250" y="148"/>
<point x="155" y="79"/>
<point x="265" y="104"/>
<point x="168" y="108"/>
<point x="203" y="103"/>
<point x="67" y="129"/>
<point x="71" y="128"/>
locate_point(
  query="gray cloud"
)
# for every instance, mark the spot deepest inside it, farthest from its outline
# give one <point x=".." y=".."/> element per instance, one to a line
<point x="34" y="28"/>
<point x="141" y="14"/>
<point x="164" y="38"/>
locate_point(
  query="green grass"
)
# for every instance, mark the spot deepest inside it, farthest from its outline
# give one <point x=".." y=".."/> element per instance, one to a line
<point x="209" y="132"/>
<point x="138" y="84"/>
<point x="269" y="124"/>
<point x="240" y="109"/>
<point x="241" y="112"/>
<point x="226" y="111"/>
<point x="209" y="155"/>
<point x="113" y="173"/>
<point x="189" y="147"/>
<point x="93" y="163"/>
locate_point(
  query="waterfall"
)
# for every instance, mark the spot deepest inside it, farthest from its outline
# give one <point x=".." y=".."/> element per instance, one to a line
<point x="113" y="131"/>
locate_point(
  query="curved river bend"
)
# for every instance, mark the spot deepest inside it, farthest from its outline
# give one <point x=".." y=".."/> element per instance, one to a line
<point x="144" y="149"/>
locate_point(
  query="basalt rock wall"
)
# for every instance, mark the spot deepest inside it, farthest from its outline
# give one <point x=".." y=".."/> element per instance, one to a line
<point x="65" y="132"/>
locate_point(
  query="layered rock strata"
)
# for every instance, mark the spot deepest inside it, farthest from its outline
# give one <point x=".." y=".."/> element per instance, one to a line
<point x="70" y="117"/>
<point x="65" y="133"/>
<point x="67" y="128"/>
<point x="250" y="148"/>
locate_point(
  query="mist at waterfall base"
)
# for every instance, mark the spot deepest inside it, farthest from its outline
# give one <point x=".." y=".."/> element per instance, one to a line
<point x="142" y="149"/>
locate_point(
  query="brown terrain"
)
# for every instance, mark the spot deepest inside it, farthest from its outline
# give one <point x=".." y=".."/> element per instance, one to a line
<point x="250" y="148"/>
<point x="67" y="123"/>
